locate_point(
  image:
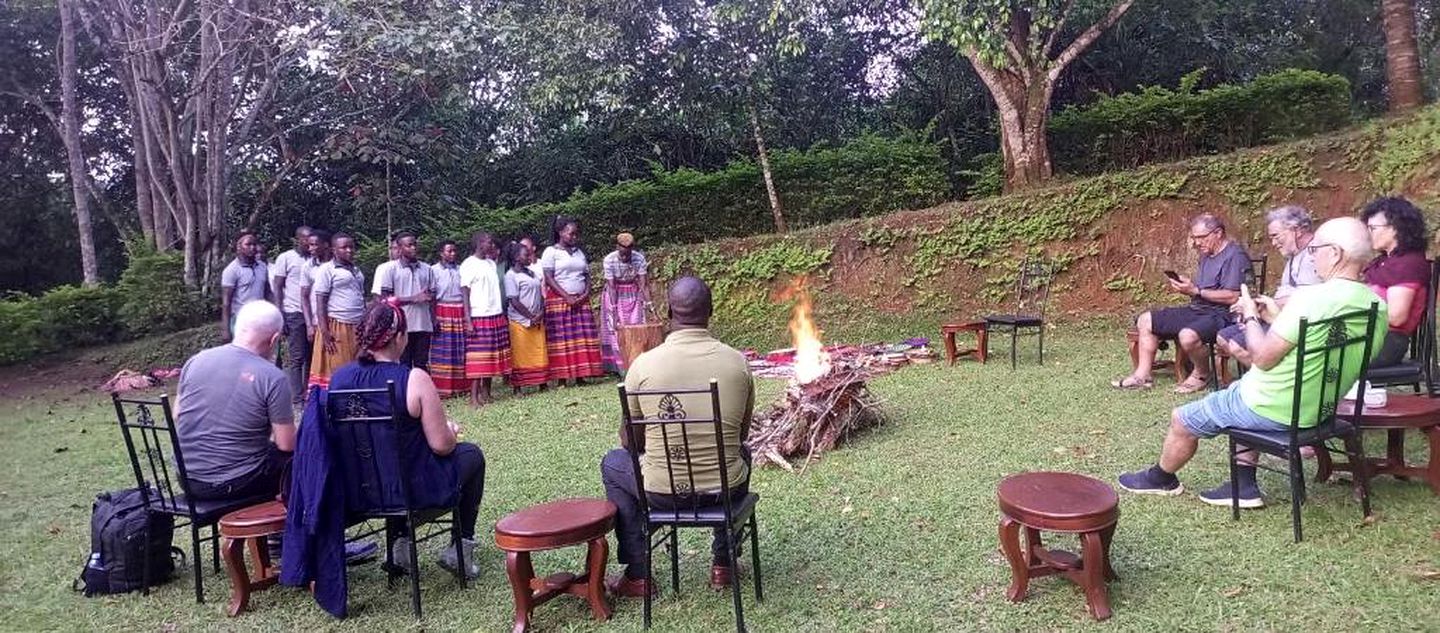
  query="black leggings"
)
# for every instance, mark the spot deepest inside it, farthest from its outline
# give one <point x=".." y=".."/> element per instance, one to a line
<point x="470" y="477"/>
<point x="1392" y="351"/>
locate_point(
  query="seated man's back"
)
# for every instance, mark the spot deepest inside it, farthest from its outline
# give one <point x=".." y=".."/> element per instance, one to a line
<point x="690" y="358"/>
<point x="231" y="400"/>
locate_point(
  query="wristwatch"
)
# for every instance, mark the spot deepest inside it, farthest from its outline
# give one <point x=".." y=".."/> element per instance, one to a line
<point x="1248" y="319"/>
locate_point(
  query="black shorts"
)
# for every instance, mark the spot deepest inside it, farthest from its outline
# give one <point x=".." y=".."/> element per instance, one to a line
<point x="1167" y="322"/>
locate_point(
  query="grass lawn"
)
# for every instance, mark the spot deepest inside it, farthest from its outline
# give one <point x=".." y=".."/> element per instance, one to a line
<point x="894" y="532"/>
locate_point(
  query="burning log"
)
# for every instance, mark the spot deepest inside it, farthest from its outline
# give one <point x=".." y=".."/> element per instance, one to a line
<point x="826" y="401"/>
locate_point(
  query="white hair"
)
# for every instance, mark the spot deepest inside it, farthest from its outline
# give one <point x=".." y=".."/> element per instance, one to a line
<point x="1291" y="216"/>
<point x="1350" y="235"/>
<point x="258" y="321"/>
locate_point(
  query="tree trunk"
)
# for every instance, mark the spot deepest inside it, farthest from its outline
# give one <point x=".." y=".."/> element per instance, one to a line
<point x="1024" y="119"/>
<point x="1402" y="55"/>
<point x="70" y="117"/>
<point x="764" y="156"/>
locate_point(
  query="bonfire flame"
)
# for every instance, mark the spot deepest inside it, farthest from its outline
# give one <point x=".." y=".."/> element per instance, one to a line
<point x="811" y="360"/>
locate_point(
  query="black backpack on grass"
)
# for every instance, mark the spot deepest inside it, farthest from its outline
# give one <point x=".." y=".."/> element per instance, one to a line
<point x="120" y="526"/>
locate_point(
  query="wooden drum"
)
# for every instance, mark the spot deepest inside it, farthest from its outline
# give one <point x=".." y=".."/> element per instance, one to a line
<point x="637" y="339"/>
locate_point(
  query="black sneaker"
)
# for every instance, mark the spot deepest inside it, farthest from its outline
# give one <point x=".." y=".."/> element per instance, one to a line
<point x="1220" y="496"/>
<point x="1146" y="482"/>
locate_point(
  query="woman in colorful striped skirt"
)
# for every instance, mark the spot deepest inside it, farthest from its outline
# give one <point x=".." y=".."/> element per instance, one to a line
<point x="625" y="298"/>
<point x="572" y="341"/>
<point x="525" y="307"/>
<point x="487" y="348"/>
<point x="339" y="291"/>
<point x="452" y="321"/>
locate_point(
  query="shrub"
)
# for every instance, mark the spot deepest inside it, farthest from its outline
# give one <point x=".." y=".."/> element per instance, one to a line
<point x="866" y="176"/>
<point x="1159" y="124"/>
<point x="64" y="317"/>
<point x="155" y="299"/>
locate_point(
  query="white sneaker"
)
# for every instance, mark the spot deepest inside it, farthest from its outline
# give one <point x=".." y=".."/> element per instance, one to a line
<point x="450" y="562"/>
<point x="400" y="554"/>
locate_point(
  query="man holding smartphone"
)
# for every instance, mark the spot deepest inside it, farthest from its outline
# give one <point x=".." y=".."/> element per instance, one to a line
<point x="1291" y="229"/>
<point x="1215" y="286"/>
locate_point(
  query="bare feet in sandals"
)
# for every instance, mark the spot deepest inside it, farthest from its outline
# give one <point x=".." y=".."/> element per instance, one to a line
<point x="1192" y="384"/>
<point x="1131" y="383"/>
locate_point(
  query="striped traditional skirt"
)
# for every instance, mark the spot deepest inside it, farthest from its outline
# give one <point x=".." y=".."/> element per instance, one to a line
<point x="447" y="350"/>
<point x="629" y="308"/>
<point x="530" y="365"/>
<point x="323" y="363"/>
<point x="487" y="351"/>
<point x="571" y="340"/>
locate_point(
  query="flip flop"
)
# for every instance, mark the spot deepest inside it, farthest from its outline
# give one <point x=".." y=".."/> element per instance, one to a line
<point x="1190" y="387"/>
<point x="1128" y="383"/>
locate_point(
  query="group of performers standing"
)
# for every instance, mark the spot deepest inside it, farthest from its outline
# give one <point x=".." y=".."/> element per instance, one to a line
<point x="502" y="312"/>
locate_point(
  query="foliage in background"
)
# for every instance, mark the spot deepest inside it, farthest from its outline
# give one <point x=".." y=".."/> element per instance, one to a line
<point x="65" y="317"/>
<point x="866" y="176"/>
<point x="156" y="299"/>
<point x="1158" y="124"/>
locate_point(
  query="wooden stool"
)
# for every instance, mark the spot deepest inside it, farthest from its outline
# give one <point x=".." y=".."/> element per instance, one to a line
<point x="1402" y="411"/>
<point x="982" y="336"/>
<point x="1059" y="502"/>
<point x="552" y="526"/>
<point x="250" y="526"/>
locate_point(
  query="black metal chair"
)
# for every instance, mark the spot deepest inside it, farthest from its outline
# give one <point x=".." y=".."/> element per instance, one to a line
<point x="159" y="465"/>
<point x="1340" y="337"/>
<point x="1032" y="291"/>
<point x="734" y="519"/>
<point x="1255" y="279"/>
<point x="1419" y="367"/>
<point x="365" y="439"/>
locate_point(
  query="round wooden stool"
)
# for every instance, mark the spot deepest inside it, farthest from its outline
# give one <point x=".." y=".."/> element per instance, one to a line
<point x="552" y="526"/>
<point x="1059" y="502"/>
<point x="249" y="526"/>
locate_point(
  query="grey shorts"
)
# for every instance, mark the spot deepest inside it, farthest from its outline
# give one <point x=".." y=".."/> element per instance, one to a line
<point x="1224" y="410"/>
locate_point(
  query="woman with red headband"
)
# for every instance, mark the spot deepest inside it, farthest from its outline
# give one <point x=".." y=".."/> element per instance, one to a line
<point x="442" y="469"/>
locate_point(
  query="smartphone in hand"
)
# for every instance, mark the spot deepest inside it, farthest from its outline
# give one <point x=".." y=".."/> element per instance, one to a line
<point x="1172" y="275"/>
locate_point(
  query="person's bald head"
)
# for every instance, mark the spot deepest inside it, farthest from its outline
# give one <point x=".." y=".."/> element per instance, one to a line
<point x="1351" y="236"/>
<point x="690" y="302"/>
<point x="258" y="326"/>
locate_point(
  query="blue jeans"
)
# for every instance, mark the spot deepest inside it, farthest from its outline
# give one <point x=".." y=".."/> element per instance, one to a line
<point x="1224" y="410"/>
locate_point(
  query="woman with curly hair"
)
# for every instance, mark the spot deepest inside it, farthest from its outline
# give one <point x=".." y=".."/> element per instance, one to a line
<point x="1400" y="274"/>
<point x="442" y="470"/>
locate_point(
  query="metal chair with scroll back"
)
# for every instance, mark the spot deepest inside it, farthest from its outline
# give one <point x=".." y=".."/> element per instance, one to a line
<point x="159" y="466"/>
<point x="1344" y="342"/>
<point x="731" y="519"/>
<point x="377" y="484"/>
<point x="1032" y="291"/>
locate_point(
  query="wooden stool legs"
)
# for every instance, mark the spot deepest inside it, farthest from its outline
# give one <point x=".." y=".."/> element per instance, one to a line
<point x="531" y="592"/>
<point x="241" y="583"/>
<point x="1090" y="570"/>
<point x="982" y="336"/>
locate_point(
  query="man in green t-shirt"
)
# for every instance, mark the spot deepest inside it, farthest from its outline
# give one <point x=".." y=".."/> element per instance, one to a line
<point x="1263" y="398"/>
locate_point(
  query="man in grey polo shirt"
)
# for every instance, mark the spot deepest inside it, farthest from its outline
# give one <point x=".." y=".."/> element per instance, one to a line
<point x="246" y="278"/>
<point x="233" y="414"/>
<point x="1291" y="229"/>
<point x="412" y="283"/>
<point x="287" y="279"/>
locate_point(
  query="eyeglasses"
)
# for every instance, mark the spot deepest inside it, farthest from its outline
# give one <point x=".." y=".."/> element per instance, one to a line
<point x="1375" y="227"/>
<point x="1203" y="235"/>
<point x="1315" y="247"/>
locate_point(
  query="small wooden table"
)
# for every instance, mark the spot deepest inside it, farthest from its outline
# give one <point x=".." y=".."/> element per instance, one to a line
<point x="1401" y="412"/>
<point x="550" y="526"/>
<point x="250" y="526"/>
<point x="982" y="336"/>
<point x="1066" y="503"/>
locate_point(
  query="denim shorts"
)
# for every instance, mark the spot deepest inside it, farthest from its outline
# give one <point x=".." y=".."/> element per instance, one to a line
<point x="1224" y="410"/>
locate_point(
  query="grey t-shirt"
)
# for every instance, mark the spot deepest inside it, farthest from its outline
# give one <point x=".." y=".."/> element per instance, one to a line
<point x="291" y="266"/>
<point x="229" y="397"/>
<point x="1223" y="270"/>
<point x="248" y="280"/>
<point x="1299" y="271"/>
<point x="345" y="286"/>
<point x="526" y="288"/>
<point x="406" y="280"/>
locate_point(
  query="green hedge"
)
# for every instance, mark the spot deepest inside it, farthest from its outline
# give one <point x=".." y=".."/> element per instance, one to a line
<point x="867" y="176"/>
<point x="63" y="318"/>
<point x="155" y="297"/>
<point x="1159" y="124"/>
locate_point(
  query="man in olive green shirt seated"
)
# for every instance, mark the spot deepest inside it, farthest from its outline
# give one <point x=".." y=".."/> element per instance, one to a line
<point x="689" y="358"/>
<point x="1263" y="399"/>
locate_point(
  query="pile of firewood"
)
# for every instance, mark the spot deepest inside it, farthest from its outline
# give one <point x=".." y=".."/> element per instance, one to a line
<point x="813" y="417"/>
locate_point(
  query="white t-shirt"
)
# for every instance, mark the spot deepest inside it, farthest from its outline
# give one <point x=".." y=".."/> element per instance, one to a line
<point x="570" y="268"/>
<point x="482" y="277"/>
<point x="307" y="277"/>
<point x="380" y="275"/>
<point x="290" y="265"/>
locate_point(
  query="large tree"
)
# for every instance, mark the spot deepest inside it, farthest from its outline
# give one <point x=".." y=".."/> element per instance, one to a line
<point x="1402" y="55"/>
<point x="1016" y="47"/>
